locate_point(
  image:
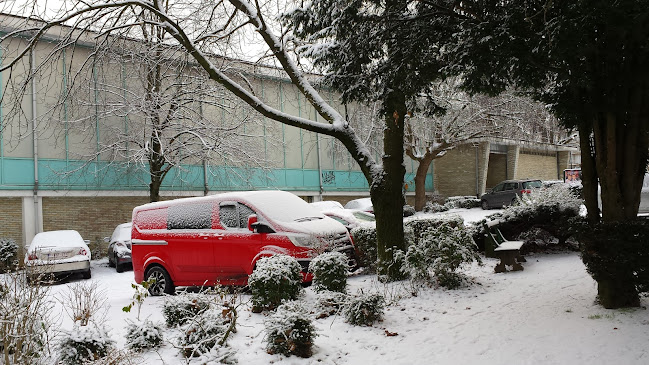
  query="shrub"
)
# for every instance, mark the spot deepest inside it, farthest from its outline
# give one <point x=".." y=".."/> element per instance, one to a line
<point x="432" y="207"/>
<point x="365" y="241"/>
<point x="441" y="249"/>
<point x="408" y="210"/>
<point x="25" y="312"/>
<point x="143" y="335"/>
<point x="364" y="309"/>
<point x="8" y="254"/>
<point x="289" y="331"/>
<point x="275" y="279"/>
<point x="414" y="227"/>
<point x="466" y="202"/>
<point x="84" y="344"/>
<point x="330" y="271"/>
<point x="329" y="303"/>
<point x="179" y="309"/>
<point x="549" y="209"/>
<point x="203" y="333"/>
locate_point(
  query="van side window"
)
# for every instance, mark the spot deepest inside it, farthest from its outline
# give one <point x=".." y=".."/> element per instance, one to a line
<point x="235" y="215"/>
<point x="228" y="215"/>
<point x="194" y="216"/>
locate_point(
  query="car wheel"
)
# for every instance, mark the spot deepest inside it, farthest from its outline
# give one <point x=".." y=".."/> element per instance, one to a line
<point x="87" y="274"/>
<point x="162" y="284"/>
<point x="111" y="263"/>
<point x="118" y="267"/>
<point x="484" y="205"/>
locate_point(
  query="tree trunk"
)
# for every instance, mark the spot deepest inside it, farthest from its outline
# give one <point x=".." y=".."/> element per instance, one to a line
<point x="420" y="182"/>
<point x="154" y="188"/>
<point x="621" y="144"/>
<point x="386" y="192"/>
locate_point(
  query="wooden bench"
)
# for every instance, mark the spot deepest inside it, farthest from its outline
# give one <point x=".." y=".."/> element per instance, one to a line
<point x="509" y="252"/>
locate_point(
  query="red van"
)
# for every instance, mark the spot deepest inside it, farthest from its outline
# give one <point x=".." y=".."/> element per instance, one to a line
<point x="217" y="239"/>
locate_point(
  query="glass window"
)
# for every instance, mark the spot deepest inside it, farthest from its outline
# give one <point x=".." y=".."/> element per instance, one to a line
<point x="532" y="184"/>
<point x="228" y="215"/>
<point x="510" y="186"/>
<point x="244" y="213"/>
<point x="499" y="187"/>
<point x="191" y="216"/>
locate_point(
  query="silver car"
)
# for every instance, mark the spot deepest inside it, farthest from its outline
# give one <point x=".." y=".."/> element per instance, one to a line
<point x="57" y="253"/>
<point x="119" y="247"/>
<point x="506" y="192"/>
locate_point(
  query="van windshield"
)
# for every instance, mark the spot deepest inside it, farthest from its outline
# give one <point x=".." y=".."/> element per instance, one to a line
<point x="284" y="207"/>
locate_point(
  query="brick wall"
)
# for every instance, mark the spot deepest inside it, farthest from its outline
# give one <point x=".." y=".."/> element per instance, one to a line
<point x="94" y="217"/>
<point x="11" y="224"/>
<point x="497" y="169"/>
<point x="537" y="166"/>
<point x="455" y="172"/>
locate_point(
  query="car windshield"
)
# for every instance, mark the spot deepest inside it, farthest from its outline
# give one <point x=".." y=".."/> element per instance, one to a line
<point x="122" y="233"/>
<point x="365" y="217"/>
<point x="532" y="184"/>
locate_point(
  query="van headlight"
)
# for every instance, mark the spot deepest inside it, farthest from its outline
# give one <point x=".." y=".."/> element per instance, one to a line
<point x="303" y="240"/>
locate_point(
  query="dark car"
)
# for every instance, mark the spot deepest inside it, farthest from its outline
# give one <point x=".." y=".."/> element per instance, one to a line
<point x="119" y="248"/>
<point x="506" y="192"/>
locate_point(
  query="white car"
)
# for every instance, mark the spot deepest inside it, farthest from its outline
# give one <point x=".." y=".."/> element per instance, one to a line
<point x="351" y="218"/>
<point x="58" y="253"/>
<point x="326" y="205"/>
<point x="364" y="204"/>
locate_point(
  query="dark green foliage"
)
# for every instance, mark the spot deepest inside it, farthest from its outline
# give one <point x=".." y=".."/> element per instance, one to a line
<point x="432" y="207"/>
<point x="416" y="227"/>
<point x="289" y="331"/>
<point x="143" y="335"/>
<point x="365" y="242"/>
<point x="466" y="202"/>
<point x="616" y="251"/>
<point x="275" y="279"/>
<point x="181" y="308"/>
<point x="329" y="272"/>
<point x="8" y="254"/>
<point x="364" y="309"/>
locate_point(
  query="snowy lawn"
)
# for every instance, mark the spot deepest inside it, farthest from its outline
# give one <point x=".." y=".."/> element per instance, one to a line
<point x="543" y="315"/>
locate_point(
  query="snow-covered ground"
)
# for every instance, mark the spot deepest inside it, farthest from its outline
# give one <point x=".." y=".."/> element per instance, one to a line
<point x="545" y="314"/>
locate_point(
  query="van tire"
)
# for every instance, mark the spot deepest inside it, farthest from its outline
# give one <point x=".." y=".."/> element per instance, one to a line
<point x="163" y="284"/>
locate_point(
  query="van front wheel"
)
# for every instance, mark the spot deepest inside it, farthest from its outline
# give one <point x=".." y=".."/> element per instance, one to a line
<point x="161" y="284"/>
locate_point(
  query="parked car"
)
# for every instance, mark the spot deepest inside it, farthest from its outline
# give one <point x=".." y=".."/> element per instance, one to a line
<point x="218" y="239"/>
<point x="57" y="253"/>
<point x="364" y="204"/>
<point x="119" y="247"/>
<point x="506" y="192"/>
<point x="350" y="218"/>
<point x="326" y="205"/>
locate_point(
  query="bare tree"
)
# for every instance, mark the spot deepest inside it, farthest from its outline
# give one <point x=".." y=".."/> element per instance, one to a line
<point x="202" y="29"/>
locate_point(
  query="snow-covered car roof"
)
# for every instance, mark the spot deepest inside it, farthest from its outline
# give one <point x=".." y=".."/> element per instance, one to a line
<point x="122" y="232"/>
<point x="326" y="205"/>
<point x="362" y="204"/>
<point x="64" y="238"/>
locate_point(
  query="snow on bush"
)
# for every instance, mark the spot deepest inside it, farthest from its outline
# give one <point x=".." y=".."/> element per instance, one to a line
<point x="364" y="309"/>
<point x="275" y="279"/>
<point x="290" y="331"/>
<point x="466" y="202"/>
<point x="415" y="226"/>
<point x="203" y="333"/>
<point x="179" y="309"/>
<point x="442" y="250"/>
<point x="365" y="242"/>
<point x="8" y="254"/>
<point x="433" y="207"/>
<point x="329" y="272"/>
<point x="143" y="335"/>
<point x="558" y="198"/>
<point x="329" y="303"/>
<point x="84" y="344"/>
<point x="25" y="312"/>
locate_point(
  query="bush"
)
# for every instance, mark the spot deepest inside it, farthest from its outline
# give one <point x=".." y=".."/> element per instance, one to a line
<point x="329" y="303"/>
<point x="289" y="331"/>
<point x="365" y="241"/>
<point x="466" y="202"/>
<point x="275" y="279"/>
<point x="25" y="312"/>
<point x="549" y="209"/>
<point x="179" y="309"/>
<point x="364" y="309"/>
<point x="329" y="272"/>
<point x="203" y="333"/>
<point x="143" y="335"/>
<point x="408" y="210"/>
<point x="432" y="207"/>
<point x="84" y="344"/>
<point x="8" y="254"/>
<point x="414" y="227"/>
<point x="441" y="249"/>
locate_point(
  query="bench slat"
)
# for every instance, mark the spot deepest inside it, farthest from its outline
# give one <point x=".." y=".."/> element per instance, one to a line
<point x="509" y="245"/>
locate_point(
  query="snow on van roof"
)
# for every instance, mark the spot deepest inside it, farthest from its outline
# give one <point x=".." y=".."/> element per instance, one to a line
<point x="276" y="204"/>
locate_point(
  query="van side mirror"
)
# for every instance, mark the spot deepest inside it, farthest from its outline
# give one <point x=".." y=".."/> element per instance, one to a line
<point x="252" y="219"/>
<point x="261" y="227"/>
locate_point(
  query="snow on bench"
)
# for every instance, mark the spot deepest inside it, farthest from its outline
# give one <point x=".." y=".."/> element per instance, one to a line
<point x="509" y="252"/>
